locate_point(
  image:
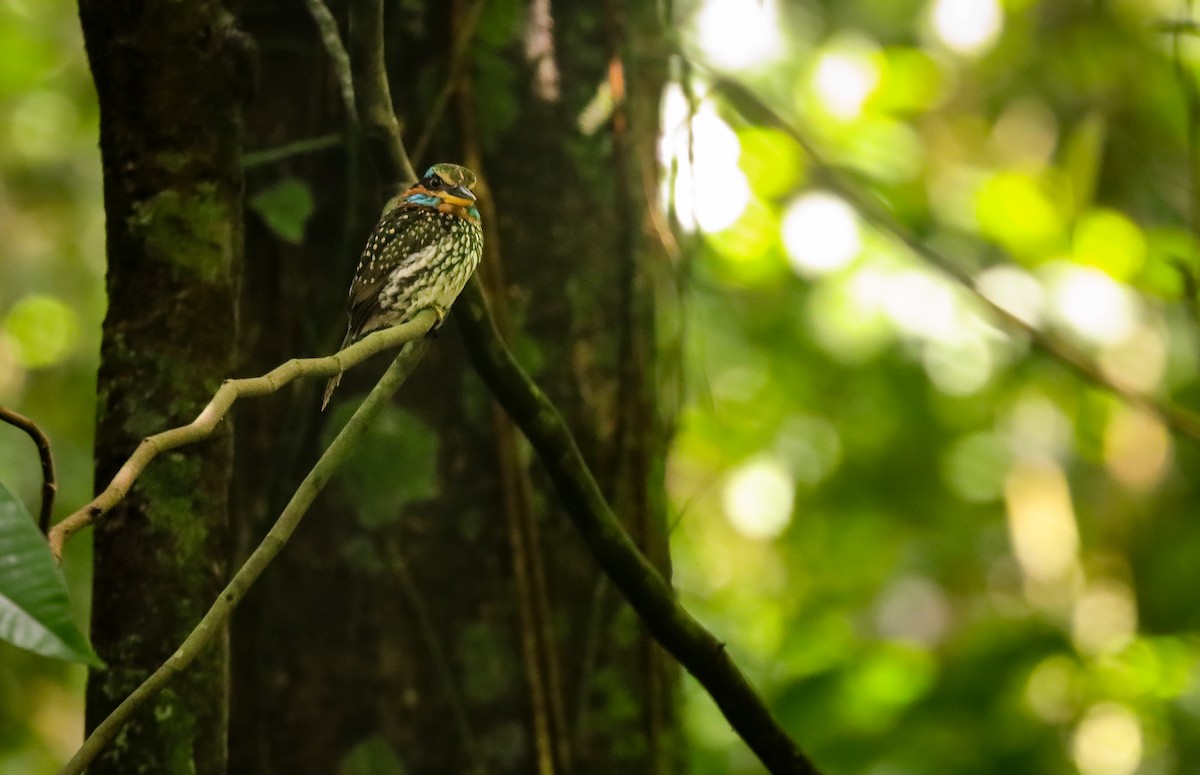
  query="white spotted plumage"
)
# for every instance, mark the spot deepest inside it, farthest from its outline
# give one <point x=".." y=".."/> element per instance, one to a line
<point x="420" y="255"/>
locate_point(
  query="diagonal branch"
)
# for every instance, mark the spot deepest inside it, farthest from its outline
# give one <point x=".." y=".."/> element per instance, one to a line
<point x="49" y="481"/>
<point x="229" y="392"/>
<point x="1180" y="420"/>
<point x="222" y="608"/>
<point x="650" y="595"/>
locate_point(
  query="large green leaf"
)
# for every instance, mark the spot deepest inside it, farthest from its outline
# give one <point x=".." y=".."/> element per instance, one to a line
<point x="286" y="207"/>
<point x="35" y="612"/>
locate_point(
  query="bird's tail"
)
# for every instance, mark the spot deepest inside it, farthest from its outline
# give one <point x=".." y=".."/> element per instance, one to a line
<point x="329" y="388"/>
<point x="336" y="378"/>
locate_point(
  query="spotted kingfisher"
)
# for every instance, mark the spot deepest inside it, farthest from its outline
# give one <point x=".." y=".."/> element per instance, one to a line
<point x="420" y="255"/>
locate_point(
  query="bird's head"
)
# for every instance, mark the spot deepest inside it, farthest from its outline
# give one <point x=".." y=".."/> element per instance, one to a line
<point x="446" y="188"/>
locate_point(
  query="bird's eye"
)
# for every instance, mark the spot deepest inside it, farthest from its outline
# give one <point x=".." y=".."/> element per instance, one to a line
<point x="433" y="183"/>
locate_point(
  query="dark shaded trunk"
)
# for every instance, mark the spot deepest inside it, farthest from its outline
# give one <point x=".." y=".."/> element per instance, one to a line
<point x="436" y="609"/>
<point x="169" y="79"/>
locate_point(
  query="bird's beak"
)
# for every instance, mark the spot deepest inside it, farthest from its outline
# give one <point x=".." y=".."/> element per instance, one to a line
<point x="458" y="195"/>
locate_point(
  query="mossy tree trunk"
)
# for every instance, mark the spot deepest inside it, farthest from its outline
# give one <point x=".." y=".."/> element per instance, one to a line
<point x="437" y="611"/>
<point x="169" y="81"/>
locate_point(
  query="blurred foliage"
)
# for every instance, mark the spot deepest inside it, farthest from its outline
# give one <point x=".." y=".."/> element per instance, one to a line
<point x="51" y="307"/>
<point x="934" y="550"/>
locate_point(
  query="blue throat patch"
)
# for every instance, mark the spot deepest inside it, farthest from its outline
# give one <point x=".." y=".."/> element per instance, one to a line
<point x="428" y="200"/>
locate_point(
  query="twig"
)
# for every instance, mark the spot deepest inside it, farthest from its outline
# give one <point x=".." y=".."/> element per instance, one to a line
<point x="340" y="61"/>
<point x="1179" y="419"/>
<point x="375" y="112"/>
<point x="214" y="621"/>
<point x="229" y="392"/>
<point x="49" y="480"/>
<point x="298" y="148"/>
<point x="458" y="63"/>
<point x="638" y="580"/>
<point x="332" y="40"/>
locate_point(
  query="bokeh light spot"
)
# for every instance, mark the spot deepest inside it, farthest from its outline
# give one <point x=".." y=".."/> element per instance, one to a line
<point x="1105" y="618"/>
<point x="1092" y="304"/>
<point x="711" y="191"/>
<point x="846" y="74"/>
<point x="976" y="465"/>
<point x="968" y="27"/>
<point x="1014" y="290"/>
<point x="1108" y="741"/>
<point x="820" y="233"/>
<point x="758" y="498"/>
<point x="1041" y="521"/>
<point x="1137" y="448"/>
<point x="41" y="330"/>
<point x="738" y="35"/>
<point x="1108" y="240"/>
<point x="1052" y="689"/>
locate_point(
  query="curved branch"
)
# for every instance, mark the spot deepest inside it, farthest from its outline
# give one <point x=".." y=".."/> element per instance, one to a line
<point x="1179" y="419"/>
<point x="671" y="625"/>
<point x="229" y="392"/>
<point x="49" y="480"/>
<point x="222" y="608"/>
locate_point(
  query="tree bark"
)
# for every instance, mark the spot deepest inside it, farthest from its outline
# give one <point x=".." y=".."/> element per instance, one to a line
<point x="169" y="80"/>
<point x="437" y="610"/>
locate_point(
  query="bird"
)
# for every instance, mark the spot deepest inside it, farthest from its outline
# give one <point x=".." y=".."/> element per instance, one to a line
<point x="420" y="255"/>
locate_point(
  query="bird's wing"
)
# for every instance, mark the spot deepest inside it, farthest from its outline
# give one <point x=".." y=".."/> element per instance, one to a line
<point x="400" y="243"/>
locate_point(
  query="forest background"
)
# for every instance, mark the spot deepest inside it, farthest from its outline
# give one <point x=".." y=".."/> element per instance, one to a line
<point x="931" y="544"/>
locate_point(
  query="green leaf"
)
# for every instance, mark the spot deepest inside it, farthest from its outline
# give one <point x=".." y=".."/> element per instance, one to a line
<point x="286" y="207"/>
<point x="372" y="756"/>
<point x="394" y="464"/>
<point x="35" y="612"/>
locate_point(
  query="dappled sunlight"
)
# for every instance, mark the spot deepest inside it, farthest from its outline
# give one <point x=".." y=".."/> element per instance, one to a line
<point x="710" y="190"/>
<point x="985" y="127"/>
<point x="758" y="498"/>
<point x="1053" y="689"/>
<point x="1041" y="522"/>
<point x="846" y="73"/>
<point x="1137" y="448"/>
<point x="1104" y="620"/>
<point x="1025" y="134"/>
<point x="1108" y="741"/>
<point x="967" y="27"/>
<point x="1139" y="360"/>
<point x="40" y="330"/>
<point x="1090" y="303"/>
<point x="821" y="234"/>
<point x="1014" y="290"/>
<point x="739" y="35"/>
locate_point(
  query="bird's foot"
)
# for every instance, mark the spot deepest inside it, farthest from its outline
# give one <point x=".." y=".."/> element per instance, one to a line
<point x="440" y="311"/>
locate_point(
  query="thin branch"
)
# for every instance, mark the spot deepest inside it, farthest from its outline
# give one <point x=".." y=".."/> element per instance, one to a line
<point x="638" y="580"/>
<point x="49" y="480"/>
<point x="222" y="608"/>
<point x="1179" y="419"/>
<point x="298" y="148"/>
<point x="229" y="392"/>
<point x="458" y="65"/>
<point x="332" y="40"/>
<point x="375" y="111"/>
<point x="340" y="61"/>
